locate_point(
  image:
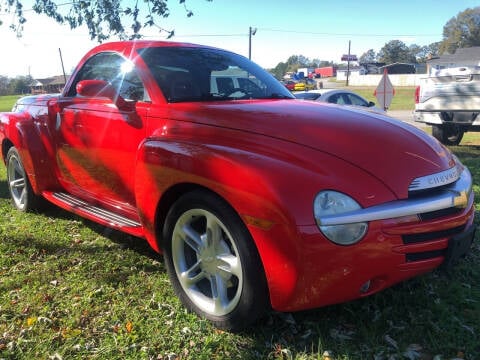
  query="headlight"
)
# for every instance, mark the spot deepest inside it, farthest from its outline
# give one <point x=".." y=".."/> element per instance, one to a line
<point x="328" y="203"/>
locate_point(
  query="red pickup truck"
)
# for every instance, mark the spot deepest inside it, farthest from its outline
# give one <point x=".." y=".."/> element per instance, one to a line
<point x="257" y="200"/>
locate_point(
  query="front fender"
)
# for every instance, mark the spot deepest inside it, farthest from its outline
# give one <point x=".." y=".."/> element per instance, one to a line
<point x="267" y="187"/>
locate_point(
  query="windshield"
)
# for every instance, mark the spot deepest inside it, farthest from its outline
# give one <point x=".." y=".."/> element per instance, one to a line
<point x="204" y="74"/>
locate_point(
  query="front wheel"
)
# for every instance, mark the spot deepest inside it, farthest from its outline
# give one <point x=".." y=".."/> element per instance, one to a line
<point x="448" y="134"/>
<point x="213" y="263"/>
<point x="21" y="192"/>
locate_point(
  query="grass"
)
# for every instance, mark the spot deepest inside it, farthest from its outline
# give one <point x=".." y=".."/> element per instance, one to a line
<point x="70" y="289"/>
<point x="6" y="102"/>
<point x="402" y="100"/>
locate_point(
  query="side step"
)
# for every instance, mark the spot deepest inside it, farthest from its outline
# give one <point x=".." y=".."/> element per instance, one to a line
<point x="95" y="213"/>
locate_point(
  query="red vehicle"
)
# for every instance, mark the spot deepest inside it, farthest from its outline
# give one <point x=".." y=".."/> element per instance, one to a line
<point x="256" y="200"/>
<point x="290" y="84"/>
<point x="326" y="71"/>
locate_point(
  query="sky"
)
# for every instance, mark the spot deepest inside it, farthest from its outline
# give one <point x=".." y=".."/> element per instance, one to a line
<point x="317" y="29"/>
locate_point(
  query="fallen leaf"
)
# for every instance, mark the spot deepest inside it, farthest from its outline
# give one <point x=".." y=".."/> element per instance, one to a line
<point x="31" y="321"/>
<point x="129" y="326"/>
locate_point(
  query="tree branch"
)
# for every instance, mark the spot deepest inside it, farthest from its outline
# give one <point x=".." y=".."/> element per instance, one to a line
<point x="103" y="18"/>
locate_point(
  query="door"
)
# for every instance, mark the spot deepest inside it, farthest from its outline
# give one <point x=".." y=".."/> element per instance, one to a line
<point x="96" y="141"/>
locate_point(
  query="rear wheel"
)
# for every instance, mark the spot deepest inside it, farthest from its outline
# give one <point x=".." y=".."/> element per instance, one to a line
<point x="448" y="134"/>
<point x="212" y="261"/>
<point x="21" y="192"/>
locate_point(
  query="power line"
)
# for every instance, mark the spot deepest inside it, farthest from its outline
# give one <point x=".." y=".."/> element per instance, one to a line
<point x="344" y="34"/>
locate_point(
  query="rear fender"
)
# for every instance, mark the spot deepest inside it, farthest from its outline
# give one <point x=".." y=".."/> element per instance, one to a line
<point x="31" y="138"/>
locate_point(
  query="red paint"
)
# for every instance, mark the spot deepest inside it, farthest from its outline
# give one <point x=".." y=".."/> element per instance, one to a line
<point x="267" y="158"/>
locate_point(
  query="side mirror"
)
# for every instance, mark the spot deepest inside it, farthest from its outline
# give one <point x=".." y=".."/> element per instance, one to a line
<point x="101" y="88"/>
<point x="371" y="104"/>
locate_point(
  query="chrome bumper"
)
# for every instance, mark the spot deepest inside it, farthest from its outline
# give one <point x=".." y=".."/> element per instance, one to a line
<point x="456" y="195"/>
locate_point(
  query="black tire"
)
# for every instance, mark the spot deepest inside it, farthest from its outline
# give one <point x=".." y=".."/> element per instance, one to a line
<point x="21" y="192"/>
<point x="448" y="134"/>
<point x="213" y="263"/>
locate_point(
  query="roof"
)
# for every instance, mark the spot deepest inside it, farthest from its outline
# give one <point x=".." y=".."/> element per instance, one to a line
<point x="128" y="46"/>
<point x="399" y="68"/>
<point x="463" y="56"/>
<point x="54" y="80"/>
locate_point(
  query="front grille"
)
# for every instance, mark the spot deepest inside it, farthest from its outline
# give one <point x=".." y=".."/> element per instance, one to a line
<point x="434" y="235"/>
<point x="416" y="193"/>
<point x="436" y="181"/>
<point x="440" y="213"/>
<point x="424" y="255"/>
<point x="429" y="188"/>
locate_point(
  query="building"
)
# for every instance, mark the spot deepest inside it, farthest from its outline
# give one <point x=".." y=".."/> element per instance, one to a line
<point x="398" y="68"/>
<point x="54" y="84"/>
<point x="469" y="57"/>
<point x="352" y="71"/>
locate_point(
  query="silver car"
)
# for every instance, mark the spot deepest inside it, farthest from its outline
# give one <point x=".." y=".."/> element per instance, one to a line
<point x="339" y="97"/>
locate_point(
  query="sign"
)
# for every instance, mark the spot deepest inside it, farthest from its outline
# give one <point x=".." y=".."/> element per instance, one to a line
<point x="349" y="58"/>
<point x="384" y="91"/>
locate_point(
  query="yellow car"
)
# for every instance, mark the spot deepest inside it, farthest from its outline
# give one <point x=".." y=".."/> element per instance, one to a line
<point x="306" y="84"/>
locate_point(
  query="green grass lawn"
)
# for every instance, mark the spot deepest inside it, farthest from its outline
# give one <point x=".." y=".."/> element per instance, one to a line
<point x="6" y="102"/>
<point x="71" y="289"/>
<point x="402" y="100"/>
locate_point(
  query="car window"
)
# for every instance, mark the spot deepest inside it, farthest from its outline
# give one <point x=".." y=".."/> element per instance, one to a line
<point x="224" y="84"/>
<point x="356" y="100"/>
<point x="114" y="69"/>
<point x="209" y="74"/>
<point x="336" y="99"/>
<point x="249" y="85"/>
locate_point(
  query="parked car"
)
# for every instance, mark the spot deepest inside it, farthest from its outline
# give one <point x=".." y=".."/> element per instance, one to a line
<point x="305" y="84"/>
<point x="339" y="97"/>
<point x="290" y="84"/>
<point x="257" y="201"/>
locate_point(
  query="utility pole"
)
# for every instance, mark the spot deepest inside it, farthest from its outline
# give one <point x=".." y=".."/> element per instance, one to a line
<point x="251" y="32"/>
<point x="348" y="61"/>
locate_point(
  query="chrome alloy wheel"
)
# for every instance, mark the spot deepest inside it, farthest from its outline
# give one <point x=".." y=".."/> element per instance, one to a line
<point x="17" y="181"/>
<point x="207" y="262"/>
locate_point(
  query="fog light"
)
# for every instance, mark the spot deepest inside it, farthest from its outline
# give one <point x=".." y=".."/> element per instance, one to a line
<point x="365" y="287"/>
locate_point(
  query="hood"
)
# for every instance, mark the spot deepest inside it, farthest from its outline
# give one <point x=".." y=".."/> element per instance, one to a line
<point x="394" y="152"/>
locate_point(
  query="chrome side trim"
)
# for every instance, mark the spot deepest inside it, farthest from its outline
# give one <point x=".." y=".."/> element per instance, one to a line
<point x="457" y="195"/>
<point x="110" y="217"/>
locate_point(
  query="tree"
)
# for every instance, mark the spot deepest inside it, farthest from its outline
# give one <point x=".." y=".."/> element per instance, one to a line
<point x="279" y="70"/>
<point x="20" y="85"/>
<point x="395" y="51"/>
<point x="368" y="57"/>
<point x="423" y="53"/>
<point x="4" y="82"/>
<point x="433" y="49"/>
<point x="103" y="18"/>
<point x="461" y="31"/>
